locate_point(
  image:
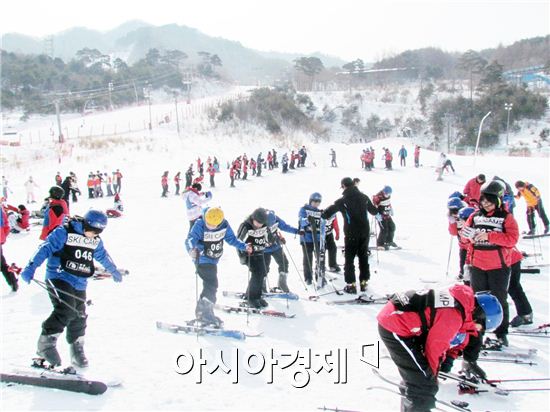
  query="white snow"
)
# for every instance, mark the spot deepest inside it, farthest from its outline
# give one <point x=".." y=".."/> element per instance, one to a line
<point x="122" y="339"/>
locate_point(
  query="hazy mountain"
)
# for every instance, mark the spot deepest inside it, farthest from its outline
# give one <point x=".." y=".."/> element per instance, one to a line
<point x="133" y="39"/>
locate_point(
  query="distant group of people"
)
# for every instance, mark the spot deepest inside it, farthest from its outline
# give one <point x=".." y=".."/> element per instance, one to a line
<point x="368" y="156"/>
<point x="112" y="182"/>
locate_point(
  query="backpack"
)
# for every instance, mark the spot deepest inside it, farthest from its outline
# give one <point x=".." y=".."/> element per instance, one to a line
<point x="418" y="301"/>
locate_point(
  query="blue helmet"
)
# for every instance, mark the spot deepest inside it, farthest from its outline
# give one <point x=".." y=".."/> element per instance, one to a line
<point x="465" y="212"/>
<point x="491" y="308"/>
<point x="387" y="190"/>
<point x="95" y="220"/>
<point x="315" y="197"/>
<point x="457" y="194"/>
<point x="455" y="203"/>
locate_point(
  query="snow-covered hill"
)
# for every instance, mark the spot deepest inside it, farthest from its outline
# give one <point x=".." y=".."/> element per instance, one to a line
<point x="149" y="241"/>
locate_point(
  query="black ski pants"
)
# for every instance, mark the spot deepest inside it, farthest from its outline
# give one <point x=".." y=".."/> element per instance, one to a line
<point x="420" y="383"/>
<point x="531" y="216"/>
<point x="209" y="275"/>
<point x="257" y="267"/>
<point x="68" y="311"/>
<point x="516" y="291"/>
<point x="330" y="246"/>
<point x="462" y="253"/>
<point x="280" y="259"/>
<point x="356" y="247"/>
<point x="308" y="250"/>
<point x="9" y="276"/>
<point x="497" y="282"/>
<point x="387" y="231"/>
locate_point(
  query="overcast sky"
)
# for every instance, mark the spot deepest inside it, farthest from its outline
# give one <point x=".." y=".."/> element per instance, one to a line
<point x="346" y="28"/>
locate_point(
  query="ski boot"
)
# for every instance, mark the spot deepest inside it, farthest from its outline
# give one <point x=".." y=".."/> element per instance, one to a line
<point x="350" y="288"/>
<point x="546" y="230"/>
<point x="282" y="282"/>
<point x="78" y="357"/>
<point x="522" y="320"/>
<point x="335" y="268"/>
<point x="46" y="349"/>
<point x="363" y="285"/>
<point x="393" y="244"/>
<point x="205" y="313"/>
<point x="503" y="340"/>
<point x="256" y="303"/>
<point x="322" y="282"/>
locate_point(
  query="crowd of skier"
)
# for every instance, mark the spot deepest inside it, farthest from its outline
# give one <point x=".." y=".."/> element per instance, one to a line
<point x="423" y="331"/>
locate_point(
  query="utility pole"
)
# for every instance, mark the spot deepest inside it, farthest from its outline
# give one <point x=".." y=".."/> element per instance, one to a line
<point x="135" y="92"/>
<point x="478" y="137"/>
<point x="508" y="108"/>
<point x="177" y="115"/>
<point x="110" y="97"/>
<point x="147" y="91"/>
<point x="56" y="103"/>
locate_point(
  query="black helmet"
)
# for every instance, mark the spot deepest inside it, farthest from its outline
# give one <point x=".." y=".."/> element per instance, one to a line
<point x="260" y="215"/>
<point x="346" y="182"/>
<point x="57" y="192"/>
<point x="493" y="188"/>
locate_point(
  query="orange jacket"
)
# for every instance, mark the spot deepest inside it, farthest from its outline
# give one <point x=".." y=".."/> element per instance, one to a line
<point x="530" y="193"/>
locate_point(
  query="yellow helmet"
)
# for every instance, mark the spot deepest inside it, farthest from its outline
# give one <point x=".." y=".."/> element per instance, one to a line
<point x="213" y="216"/>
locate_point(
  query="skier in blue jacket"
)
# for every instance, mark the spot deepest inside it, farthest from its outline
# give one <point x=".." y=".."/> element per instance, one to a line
<point x="276" y="225"/>
<point x="70" y="250"/>
<point x="205" y="246"/>
<point x="309" y="212"/>
<point x="402" y="155"/>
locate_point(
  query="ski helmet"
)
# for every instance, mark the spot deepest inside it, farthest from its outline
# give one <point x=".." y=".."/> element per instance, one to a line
<point x="457" y="194"/>
<point x="213" y="216"/>
<point x="481" y="178"/>
<point x="465" y="212"/>
<point x="492" y="309"/>
<point x="315" y="197"/>
<point x="454" y="203"/>
<point x="95" y="220"/>
<point x="387" y="190"/>
<point x="260" y="215"/>
<point x="493" y="188"/>
<point x="57" y="192"/>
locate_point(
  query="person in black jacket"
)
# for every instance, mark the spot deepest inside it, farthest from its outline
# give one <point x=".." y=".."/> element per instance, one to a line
<point x="354" y="206"/>
<point x="255" y="232"/>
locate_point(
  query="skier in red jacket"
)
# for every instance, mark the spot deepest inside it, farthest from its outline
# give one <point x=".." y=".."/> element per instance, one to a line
<point x="418" y="329"/>
<point x="472" y="190"/>
<point x="8" y="271"/>
<point x="164" y="184"/>
<point x="55" y="212"/>
<point x="492" y="232"/>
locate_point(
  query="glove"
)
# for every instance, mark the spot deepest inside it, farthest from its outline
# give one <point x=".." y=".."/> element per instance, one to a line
<point x="208" y="195"/>
<point x="447" y="364"/>
<point x="473" y="370"/>
<point x="379" y="217"/>
<point x="117" y="276"/>
<point x="249" y="249"/>
<point x="467" y="273"/>
<point x="28" y="274"/>
<point x="302" y="232"/>
<point x="282" y="240"/>
<point x="468" y="232"/>
<point x="194" y="253"/>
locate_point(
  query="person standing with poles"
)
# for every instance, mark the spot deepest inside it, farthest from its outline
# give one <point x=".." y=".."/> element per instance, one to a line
<point x="534" y="203"/>
<point x="333" y="158"/>
<point x="70" y="250"/>
<point x="492" y="233"/>
<point x="205" y="246"/>
<point x="354" y="206"/>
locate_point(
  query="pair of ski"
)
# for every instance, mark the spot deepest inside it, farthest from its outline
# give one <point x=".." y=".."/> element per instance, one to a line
<point x="196" y="328"/>
<point x="362" y="299"/>
<point x="455" y="404"/>
<point x="540" y="331"/>
<point x="535" y="236"/>
<point x="67" y="379"/>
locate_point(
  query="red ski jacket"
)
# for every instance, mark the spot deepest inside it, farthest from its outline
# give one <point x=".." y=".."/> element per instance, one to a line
<point x="5" y="229"/>
<point x="472" y="192"/>
<point x="57" y="210"/>
<point x="446" y="324"/>
<point x="503" y="233"/>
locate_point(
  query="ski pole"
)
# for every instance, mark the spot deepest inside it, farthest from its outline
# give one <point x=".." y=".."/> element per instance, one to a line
<point x="517" y="380"/>
<point x="449" y="257"/>
<point x="45" y="285"/>
<point x="295" y="267"/>
<point x="51" y="291"/>
<point x="499" y="360"/>
<point x="316" y="297"/>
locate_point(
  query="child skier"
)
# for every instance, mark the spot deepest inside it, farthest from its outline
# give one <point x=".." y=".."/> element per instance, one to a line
<point x="205" y="246"/>
<point x="70" y="250"/>
<point x="382" y="200"/>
